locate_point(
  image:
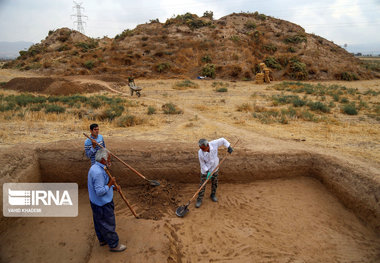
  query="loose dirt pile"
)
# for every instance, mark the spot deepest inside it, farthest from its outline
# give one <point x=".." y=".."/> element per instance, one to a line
<point x="51" y="86"/>
<point x="156" y="201"/>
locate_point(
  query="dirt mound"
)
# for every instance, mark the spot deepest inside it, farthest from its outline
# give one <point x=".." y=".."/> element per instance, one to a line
<point x="51" y="86"/>
<point x="155" y="201"/>
<point x="188" y="46"/>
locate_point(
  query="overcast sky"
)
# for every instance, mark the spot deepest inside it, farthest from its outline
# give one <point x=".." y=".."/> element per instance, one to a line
<point x="355" y="22"/>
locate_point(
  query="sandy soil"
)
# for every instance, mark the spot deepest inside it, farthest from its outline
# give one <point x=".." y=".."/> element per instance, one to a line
<point x="263" y="219"/>
<point x="283" y="220"/>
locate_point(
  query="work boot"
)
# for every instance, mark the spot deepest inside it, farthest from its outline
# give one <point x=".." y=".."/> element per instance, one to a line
<point x="198" y="203"/>
<point x="214" y="198"/>
<point x="119" y="248"/>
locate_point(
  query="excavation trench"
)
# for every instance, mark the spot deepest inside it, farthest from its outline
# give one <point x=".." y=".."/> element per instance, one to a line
<point x="177" y="168"/>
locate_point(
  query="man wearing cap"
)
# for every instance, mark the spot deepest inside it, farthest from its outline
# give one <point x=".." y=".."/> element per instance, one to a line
<point x="90" y="145"/>
<point x="208" y="159"/>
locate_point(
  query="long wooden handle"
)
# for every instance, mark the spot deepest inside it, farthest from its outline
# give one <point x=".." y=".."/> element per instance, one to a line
<point x="130" y="167"/>
<point x="121" y="194"/>
<point x="205" y="182"/>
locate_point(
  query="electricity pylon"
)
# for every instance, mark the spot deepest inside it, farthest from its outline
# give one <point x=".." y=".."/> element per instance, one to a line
<point x="79" y="16"/>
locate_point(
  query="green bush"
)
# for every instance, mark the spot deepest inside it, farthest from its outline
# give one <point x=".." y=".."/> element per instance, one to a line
<point x="54" y="109"/>
<point x="191" y="20"/>
<point x="350" y="109"/>
<point x="286" y="99"/>
<point x="349" y="76"/>
<point x="170" y="108"/>
<point x="318" y="106"/>
<point x="206" y="59"/>
<point x="89" y="64"/>
<point x="208" y="14"/>
<point x="197" y="23"/>
<point x="344" y="100"/>
<point x="151" y="110"/>
<point x="296" y="39"/>
<point x="95" y="103"/>
<point x="298" y="69"/>
<point x="270" y="48"/>
<point x="371" y="92"/>
<point x="162" y="67"/>
<point x="112" y="112"/>
<point x="250" y="25"/>
<point x="24" y="99"/>
<point x="222" y="90"/>
<point x="235" y="38"/>
<point x="8" y="107"/>
<point x="85" y="46"/>
<point x="259" y="16"/>
<point x="124" y="34"/>
<point x="64" y="35"/>
<point x="297" y="102"/>
<point x="377" y="110"/>
<point x="208" y="70"/>
<point x="272" y="63"/>
<point x="63" y="48"/>
<point x="23" y="53"/>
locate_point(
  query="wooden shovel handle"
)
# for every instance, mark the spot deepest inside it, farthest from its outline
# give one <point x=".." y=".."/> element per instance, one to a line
<point x="130" y="167"/>
<point x="118" y="187"/>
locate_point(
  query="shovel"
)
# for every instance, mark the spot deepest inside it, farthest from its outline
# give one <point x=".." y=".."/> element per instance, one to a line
<point x="183" y="209"/>
<point x="152" y="182"/>
<point x="121" y="193"/>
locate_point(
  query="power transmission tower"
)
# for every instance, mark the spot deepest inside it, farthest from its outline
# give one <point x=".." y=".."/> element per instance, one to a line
<point x="79" y="16"/>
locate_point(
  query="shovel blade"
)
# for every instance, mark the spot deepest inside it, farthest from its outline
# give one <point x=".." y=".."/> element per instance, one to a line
<point x="154" y="183"/>
<point x="182" y="210"/>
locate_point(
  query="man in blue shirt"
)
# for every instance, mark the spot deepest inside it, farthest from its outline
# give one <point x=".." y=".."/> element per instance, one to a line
<point x="90" y="146"/>
<point x="100" y="190"/>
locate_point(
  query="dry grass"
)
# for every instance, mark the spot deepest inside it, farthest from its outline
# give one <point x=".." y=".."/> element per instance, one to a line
<point x="356" y="135"/>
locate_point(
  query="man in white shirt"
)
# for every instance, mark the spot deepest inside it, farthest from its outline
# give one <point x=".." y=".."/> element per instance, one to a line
<point x="208" y="159"/>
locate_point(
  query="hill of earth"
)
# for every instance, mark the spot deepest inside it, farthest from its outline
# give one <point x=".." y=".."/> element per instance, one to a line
<point x="229" y="48"/>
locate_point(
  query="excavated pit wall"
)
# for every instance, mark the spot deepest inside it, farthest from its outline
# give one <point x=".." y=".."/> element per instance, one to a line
<point x="64" y="161"/>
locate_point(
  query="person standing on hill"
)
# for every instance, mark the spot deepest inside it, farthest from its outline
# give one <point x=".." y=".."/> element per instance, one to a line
<point x="208" y="159"/>
<point x="90" y="145"/>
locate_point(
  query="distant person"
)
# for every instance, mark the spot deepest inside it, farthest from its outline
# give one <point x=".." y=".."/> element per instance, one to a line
<point x="90" y="146"/>
<point x="133" y="87"/>
<point x="208" y="159"/>
<point x="100" y="191"/>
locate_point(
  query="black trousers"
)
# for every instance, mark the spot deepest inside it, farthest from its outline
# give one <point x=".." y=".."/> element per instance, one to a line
<point x="104" y="223"/>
